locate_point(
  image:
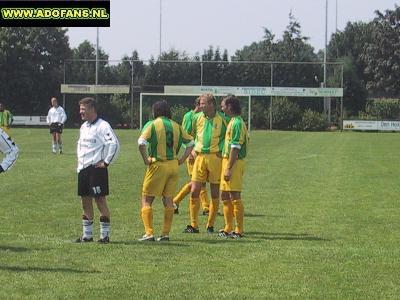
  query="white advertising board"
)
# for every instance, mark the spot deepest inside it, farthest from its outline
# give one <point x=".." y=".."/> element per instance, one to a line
<point x="371" y="125"/>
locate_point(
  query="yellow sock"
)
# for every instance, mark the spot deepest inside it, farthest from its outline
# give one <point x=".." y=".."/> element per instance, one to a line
<point x="228" y="215"/>
<point x="168" y="216"/>
<point x="194" y="212"/>
<point x="185" y="190"/>
<point x="147" y="218"/>
<point x="204" y="199"/>
<point x="238" y="211"/>
<point x="213" y="212"/>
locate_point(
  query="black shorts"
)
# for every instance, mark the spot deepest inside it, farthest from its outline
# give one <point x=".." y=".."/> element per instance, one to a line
<point x="93" y="182"/>
<point x="56" y="127"/>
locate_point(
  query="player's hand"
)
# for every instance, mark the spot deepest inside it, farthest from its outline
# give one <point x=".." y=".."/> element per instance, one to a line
<point x="101" y="164"/>
<point x="148" y="161"/>
<point x="191" y="159"/>
<point x="227" y="174"/>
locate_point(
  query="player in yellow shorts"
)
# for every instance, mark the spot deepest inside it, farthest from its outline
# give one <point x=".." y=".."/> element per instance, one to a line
<point x="209" y="128"/>
<point x="164" y="138"/>
<point x="185" y="190"/>
<point x="234" y="152"/>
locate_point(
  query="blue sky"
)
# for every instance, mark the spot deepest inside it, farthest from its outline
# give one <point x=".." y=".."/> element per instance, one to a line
<point x="193" y="25"/>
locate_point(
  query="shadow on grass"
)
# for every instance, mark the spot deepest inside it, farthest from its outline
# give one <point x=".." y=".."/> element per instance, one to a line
<point x="286" y="236"/>
<point x="40" y="269"/>
<point x="14" y="249"/>
<point x="172" y="243"/>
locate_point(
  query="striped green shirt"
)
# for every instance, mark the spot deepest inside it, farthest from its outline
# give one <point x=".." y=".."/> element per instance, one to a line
<point x="209" y="133"/>
<point x="236" y="136"/>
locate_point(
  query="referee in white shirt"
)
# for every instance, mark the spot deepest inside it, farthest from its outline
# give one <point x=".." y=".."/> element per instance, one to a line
<point x="56" y="118"/>
<point x="9" y="149"/>
<point x="97" y="148"/>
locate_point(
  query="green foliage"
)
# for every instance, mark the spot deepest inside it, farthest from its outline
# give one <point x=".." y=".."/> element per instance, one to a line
<point x="177" y="112"/>
<point x="285" y="113"/>
<point x="312" y="121"/>
<point x="383" y="109"/>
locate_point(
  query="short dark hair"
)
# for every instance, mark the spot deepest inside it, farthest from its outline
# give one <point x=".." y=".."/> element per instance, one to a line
<point x="88" y="101"/>
<point x="197" y="101"/>
<point x="234" y="104"/>
<point x="161" y="109"/>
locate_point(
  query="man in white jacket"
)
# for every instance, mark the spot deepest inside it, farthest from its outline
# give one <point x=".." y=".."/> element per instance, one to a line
<point x="9" y="149"/>
<point x="97" y="148"/>
<point x="56" y="118"/>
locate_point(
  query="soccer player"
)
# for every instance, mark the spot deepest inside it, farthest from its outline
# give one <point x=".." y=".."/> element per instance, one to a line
<point x="9" y="149"/>
<point x="6" y="119"/>
<point x="185" y="190"/>
<point x="56" y="118"/>
<point x="209" y="128"/>
<point x="98" y="147"/>
<point x="235" y="150"/>
<point x="164" y="138"/>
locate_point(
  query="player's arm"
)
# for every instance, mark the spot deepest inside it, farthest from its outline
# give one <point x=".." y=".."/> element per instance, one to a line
<point x="8" y="147"/>
<point x="188" y="142"/>
<point x="112" y="146"/>
<point x="64" y="117"/>
<point x="48" y="117"/>
<point x="143" y="142"/>
<point x="11" y="119"/>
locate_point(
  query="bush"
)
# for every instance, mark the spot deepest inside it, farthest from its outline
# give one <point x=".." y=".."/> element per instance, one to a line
<point x="312" y="121"/>
<point x="285" y="114"/>
<point x="383" y="109"/>
<point x="177" y="112"/>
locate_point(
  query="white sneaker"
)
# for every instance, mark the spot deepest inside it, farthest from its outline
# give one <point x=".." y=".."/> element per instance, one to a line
<point x="147" y="238"/>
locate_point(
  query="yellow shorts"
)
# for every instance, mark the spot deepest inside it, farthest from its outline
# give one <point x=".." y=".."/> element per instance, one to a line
<point x="6" y="130"/>
<point x="161" y="179"/>
<point x="235" y="184"/>
<point x="207" y="167"/>
<point x="189" y="167"/>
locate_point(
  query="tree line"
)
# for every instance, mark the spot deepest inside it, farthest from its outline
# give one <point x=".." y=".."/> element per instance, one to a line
<point x="35" y="61"/>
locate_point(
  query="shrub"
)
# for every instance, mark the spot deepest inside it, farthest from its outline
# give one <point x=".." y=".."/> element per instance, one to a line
<point x="312" y="121"/>
<point x="383" y="109"/>
<point x="177" y="112"/>
<point x="285" y="114"/>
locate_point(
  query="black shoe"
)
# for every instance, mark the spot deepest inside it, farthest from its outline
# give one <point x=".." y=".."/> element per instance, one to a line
<point x="176" y="209"/>
<point x="210" y="229"/>
<point x="104" y="240"/>
<point x="205" y="212"/>
<point x="84" y="240"/>
<point x="191" y="229"/>
<point x="224" y="234"/>
<point x="236" y="236"/>
<point x="163" y="238"/>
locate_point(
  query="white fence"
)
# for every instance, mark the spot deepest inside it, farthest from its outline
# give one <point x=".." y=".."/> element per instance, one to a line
<point x="30" y="121"/>
<point x="371" y="125"/>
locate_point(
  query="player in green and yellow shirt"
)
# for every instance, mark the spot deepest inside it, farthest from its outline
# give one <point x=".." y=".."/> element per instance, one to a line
<point x="6" y="119"/>
<point x="234" y="152"/>
<point x="187" y="125"/>
<point x="164" y="138"/>
<point x="209" y="127"/>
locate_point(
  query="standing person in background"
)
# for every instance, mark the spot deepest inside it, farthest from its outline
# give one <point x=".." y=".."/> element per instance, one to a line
<point x="97" y="148"/>
<point x="209" y="127"/>
<point x="56" y="118"/>
<point x="163" y="137"/>
<point x="235" y="150"/>
<point x="185" y="190"/>
<point x="9" y="149"/>
<point x="6" y="119"/>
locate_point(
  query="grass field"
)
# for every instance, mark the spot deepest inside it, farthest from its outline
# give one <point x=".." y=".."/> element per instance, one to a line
<point x="322" y="221"/>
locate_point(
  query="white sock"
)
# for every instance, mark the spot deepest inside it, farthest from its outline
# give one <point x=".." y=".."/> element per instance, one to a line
<point x="87" y="226"/>
<point x="104" y="229"/>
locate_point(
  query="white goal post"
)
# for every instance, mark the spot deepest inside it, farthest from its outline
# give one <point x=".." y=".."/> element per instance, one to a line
<point x="195" y="91"/>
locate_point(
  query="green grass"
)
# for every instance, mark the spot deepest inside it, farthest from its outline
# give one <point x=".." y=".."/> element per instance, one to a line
<point x="322" y="221"/>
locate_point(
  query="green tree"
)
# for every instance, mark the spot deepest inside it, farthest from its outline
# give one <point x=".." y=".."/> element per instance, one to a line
<point x="31" y="60"/>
